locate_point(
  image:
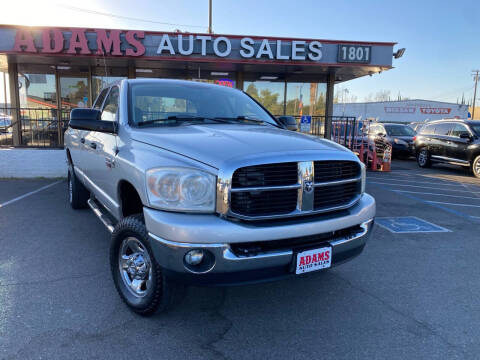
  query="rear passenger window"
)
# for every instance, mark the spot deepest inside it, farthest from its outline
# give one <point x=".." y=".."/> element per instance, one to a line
<point x="459" y="129"/>
<point x="100" y="98"/>
<point x="443" y="128"/>
<point x="427" y="129"/>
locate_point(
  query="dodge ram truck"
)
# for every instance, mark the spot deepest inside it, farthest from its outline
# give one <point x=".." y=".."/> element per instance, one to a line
<point x="200" y="184"/>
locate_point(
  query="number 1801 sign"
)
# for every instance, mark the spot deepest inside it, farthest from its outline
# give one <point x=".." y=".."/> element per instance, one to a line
<point x="354" y="53"/>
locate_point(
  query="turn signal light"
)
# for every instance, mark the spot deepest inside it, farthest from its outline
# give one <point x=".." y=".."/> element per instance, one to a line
<point x="414" y="138"/>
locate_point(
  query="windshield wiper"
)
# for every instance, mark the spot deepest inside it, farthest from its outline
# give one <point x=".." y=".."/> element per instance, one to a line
<point x="178" y="117"/>
<point x="248" y="119"/>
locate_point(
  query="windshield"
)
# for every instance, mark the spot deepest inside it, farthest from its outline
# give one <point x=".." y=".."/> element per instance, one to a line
<point x="169" y="102"/>
<point x="399" y="130"/>
<point x="476" y="129"/>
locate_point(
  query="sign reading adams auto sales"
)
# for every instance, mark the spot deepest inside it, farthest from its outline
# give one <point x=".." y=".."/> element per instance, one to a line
<point x="201" y="47"/>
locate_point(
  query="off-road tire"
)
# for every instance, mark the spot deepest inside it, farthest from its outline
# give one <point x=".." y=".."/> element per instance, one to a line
<point x="76" y="191"/>
<point x="163" y="293"/>
<point x="424" y="162"/>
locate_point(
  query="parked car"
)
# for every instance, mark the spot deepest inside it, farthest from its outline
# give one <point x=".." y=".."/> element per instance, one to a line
<point x="199" y="184"/>
<point x="5" y="123"/>
<point x="398" y="135"/>
<point x="450" y="141"/>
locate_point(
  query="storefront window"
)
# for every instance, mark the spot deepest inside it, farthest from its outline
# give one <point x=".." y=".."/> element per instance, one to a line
<point x="269" y="94"/>
<point x="37" y="90"/>
<point x="306" y="98"/>
<point x="74" y="91"/>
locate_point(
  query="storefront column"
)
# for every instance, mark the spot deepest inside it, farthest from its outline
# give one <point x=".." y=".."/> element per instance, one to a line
<point x="329" y="106"/>
<point x="15" y="104"/>
<point x="59" y="108"/>
<point x="239" y="80"/>
<point x="131" y="72"/>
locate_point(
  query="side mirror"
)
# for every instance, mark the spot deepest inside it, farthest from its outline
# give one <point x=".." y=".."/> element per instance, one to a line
<point x="89" y="119"/>
<point x="465" y="136"/>
<point x="288" y="122"/>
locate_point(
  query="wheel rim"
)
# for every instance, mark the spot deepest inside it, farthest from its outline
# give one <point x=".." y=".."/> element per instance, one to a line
<point x="135" y="267"/>
<point x="476" y="167"/>
<point x="70" y="189"/>
<point x="422" y="157"/>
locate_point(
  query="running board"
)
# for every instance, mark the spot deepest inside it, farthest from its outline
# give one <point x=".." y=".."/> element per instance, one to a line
<point x="104" y="218"/>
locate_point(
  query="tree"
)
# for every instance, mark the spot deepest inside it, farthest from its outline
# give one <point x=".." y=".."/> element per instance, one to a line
<point x="382" y="95"/>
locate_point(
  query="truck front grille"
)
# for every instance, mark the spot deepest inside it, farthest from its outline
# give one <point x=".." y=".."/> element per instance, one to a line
<point x="276" y="190"/>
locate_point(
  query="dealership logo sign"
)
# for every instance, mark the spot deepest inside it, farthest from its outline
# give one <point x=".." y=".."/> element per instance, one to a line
<point x="435" y="111"/>
<point x="132" y="43"/>
<point x="399" y="110"/>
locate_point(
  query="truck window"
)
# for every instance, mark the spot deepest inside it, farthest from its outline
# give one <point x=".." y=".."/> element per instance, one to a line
<point x="109" y="112"/>
<point x="99" y="101"/>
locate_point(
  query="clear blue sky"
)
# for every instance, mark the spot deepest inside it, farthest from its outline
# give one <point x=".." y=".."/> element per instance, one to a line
<point x="442" y="37"/>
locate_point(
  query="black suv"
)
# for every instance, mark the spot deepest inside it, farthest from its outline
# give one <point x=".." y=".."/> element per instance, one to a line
<point x="449" y="141"/>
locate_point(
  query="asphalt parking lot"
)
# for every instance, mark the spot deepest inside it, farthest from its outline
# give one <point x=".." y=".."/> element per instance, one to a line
<point x="409" y="295"/>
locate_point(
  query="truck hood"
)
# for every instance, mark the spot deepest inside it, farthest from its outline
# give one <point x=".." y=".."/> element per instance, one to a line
<point x="218" y="144"/>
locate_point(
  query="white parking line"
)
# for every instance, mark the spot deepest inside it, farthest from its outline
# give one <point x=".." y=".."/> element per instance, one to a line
<point x="29" y="193"/>
<point x="446" y="203"/>
<point x="384" y="183"/>
<point x="427" y="193"/>
<point x="416" y="182"/>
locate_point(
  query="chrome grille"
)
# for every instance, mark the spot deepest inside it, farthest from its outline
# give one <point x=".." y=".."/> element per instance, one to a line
<point x="293" y="188"/>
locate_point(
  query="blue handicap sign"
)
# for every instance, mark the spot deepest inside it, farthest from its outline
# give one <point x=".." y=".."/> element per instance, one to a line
<point x="305" y="122"/>
<point x="408" y="224"/>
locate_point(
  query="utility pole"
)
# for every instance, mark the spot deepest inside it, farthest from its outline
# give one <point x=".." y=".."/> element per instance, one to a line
<point x="475" y="74"/>
<point x="209" y="16"/>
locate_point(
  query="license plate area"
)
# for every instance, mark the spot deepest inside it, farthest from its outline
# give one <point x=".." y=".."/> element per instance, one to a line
<point x="313" y="260"/>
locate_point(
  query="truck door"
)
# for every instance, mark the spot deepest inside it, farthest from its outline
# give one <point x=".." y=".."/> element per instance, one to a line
<point x="102" y="149"/>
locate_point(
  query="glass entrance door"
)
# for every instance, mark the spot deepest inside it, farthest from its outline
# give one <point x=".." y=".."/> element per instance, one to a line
<point x="74" y="92"/>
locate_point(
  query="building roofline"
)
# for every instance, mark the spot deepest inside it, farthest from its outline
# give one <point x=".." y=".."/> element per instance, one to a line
<point x="398" y="101"/>
<point x="63" y="28"/>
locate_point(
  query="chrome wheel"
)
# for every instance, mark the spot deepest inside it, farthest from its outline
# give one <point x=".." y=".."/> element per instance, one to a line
<point x="422" y="158"/>
<point x="476" y="167"/>
<point x="135" y="267"/>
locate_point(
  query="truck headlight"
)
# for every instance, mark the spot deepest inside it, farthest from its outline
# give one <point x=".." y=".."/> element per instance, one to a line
<point x="181" y="189"/>
<point x="364" y="176"/>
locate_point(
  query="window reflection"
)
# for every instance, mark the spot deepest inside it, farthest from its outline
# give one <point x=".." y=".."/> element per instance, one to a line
<point x="269" y="94"/>
<point x="306" y="98"/>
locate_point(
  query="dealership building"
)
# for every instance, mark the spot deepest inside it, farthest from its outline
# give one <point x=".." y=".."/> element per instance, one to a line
<point x="402" y="111"/>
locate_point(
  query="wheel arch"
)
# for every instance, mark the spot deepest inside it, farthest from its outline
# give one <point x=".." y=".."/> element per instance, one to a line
<point x="129" y="199"/>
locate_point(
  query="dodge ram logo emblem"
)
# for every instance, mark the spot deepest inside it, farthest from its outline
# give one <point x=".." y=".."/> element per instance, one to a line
<point x="308" y="186"/>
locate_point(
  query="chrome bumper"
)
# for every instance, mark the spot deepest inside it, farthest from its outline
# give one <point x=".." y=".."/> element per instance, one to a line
<point x="216" y="235"/>
<point x="170" y="254"/>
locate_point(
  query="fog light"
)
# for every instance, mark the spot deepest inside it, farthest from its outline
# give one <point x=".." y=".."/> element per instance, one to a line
<point x="194" y="257"/>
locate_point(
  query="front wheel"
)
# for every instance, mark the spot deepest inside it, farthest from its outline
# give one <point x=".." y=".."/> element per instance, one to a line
<point x="137" y="276"/>
<point x="77" y="193"/>
<point x="423" y="158"/>
<point x="476" y="166"/>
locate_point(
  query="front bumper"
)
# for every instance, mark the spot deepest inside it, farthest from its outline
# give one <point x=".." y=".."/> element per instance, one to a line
<point x="173" y="235"/>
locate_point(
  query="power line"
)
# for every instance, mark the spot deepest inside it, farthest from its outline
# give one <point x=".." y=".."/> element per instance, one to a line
<point x="94" y="12"/>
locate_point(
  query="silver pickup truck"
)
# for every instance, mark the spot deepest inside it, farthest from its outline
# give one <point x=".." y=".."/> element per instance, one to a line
<point x="199" y="184"/>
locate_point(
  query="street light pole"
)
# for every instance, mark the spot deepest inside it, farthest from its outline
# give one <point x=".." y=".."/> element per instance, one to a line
<point x="475" y="74"/>
<point x="209" y="16"/>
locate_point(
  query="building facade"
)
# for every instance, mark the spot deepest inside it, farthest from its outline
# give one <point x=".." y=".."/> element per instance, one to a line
<point x="49" y="71"/>
<point x="403" y="111"/>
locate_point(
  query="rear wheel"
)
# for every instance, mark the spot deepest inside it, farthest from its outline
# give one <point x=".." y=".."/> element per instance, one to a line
<point x="77" y="193"/>
<point x="423" y="158"/>
<point x="138" y="278"/>
<point x="476" y="167"/>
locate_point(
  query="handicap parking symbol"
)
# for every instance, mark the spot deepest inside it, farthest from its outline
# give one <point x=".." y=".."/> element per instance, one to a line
<point x="305" y="123"/>
<point x="408" y="224"/>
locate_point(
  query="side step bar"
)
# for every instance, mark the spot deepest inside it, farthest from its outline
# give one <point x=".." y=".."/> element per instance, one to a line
<point x="99" y="211"/>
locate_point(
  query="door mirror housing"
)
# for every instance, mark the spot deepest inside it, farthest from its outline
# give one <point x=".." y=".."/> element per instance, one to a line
<point x="89" y="119"/>
<point x="465" y="136"/>
<point x="288" y="122"/>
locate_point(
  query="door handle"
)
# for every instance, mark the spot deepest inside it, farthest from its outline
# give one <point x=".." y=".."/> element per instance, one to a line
<point x="93" y="145"/>
<point x="82" y="140"/>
